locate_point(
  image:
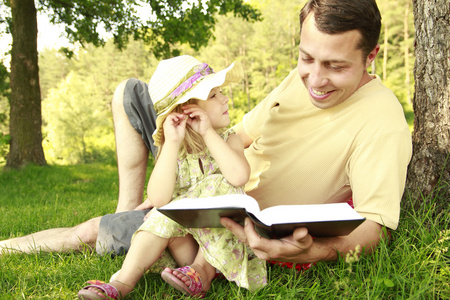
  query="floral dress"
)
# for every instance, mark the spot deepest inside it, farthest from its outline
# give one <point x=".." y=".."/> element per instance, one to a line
<point x="198" y="176"/>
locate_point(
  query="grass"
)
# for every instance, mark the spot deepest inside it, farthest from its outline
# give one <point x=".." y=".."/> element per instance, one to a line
<point x="415" y="265"/>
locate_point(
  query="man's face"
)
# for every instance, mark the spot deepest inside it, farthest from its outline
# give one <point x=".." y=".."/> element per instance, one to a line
<point x="330" y="65"/>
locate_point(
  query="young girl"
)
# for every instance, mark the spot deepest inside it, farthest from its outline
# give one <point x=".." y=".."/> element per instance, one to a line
<point x="195" y="160"/>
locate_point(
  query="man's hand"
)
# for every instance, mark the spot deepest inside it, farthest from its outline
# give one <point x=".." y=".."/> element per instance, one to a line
<point x="296" y="247"/>
<point x="300" y="246"/>
<point x="147" y="204"/>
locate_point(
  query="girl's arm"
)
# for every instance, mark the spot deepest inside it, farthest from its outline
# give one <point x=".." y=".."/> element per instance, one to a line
<point x="229" y="155"/>
<point x="161" y="184"/>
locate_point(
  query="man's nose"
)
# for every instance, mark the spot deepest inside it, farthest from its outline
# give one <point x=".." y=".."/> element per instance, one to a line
<point x="317" y="76"/>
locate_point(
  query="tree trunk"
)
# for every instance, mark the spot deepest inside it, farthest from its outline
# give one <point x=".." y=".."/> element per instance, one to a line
<point x="406" y="52"/>
<point x="385" y="51"/>
<point x="25" y="115"/>
<point x="429" y="171"/>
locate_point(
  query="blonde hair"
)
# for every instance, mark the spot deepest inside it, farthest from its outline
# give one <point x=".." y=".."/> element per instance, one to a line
<point x="193" y="142"/>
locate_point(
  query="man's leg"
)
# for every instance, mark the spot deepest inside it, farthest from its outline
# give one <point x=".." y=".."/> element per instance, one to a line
<point x="132" y="156"/>
<point x="55" y="239"/>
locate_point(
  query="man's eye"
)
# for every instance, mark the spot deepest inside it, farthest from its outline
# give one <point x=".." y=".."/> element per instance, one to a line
<point x="336" y="68"/>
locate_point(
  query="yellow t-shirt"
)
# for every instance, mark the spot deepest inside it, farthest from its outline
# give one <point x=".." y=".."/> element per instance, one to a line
<point x="358" y="149"/>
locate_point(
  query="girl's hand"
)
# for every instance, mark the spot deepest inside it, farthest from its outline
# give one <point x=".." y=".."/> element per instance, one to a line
<point x="197" y="118"/>
<point x="175" y="127"/>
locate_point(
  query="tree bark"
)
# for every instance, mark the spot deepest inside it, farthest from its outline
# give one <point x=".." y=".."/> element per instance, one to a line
<point x="385" y="51"/>
<point x="25" y="114"/>
<point x="429" y="171"/>
<point x="406" y="52"/>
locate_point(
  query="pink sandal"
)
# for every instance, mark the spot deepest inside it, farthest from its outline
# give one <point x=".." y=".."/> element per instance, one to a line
<point x="195" y="289"/>
<point x="109" y="292"/>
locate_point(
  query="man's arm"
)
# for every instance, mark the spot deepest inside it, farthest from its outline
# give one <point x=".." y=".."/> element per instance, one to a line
<point x="301" y="247"/>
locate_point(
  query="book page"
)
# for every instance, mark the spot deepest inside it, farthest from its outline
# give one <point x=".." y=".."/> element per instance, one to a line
<point x="231" y="200"/>
<point x="307" y="213"/>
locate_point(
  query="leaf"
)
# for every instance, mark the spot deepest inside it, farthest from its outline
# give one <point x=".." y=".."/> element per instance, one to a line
<point x="388" y="283"/>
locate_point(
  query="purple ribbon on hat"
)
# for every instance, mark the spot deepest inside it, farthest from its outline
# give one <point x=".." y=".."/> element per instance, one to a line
<point x="200" y="71"/>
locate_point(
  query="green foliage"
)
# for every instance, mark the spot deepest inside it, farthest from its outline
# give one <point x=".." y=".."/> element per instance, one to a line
<point x="190" y="25"/>
<point x="267" y="49"/>
<point x="5" y="89"/>
<point x="5" y="92"/>
<point x="414" y="265"/>
<point x="4" y="147"/>
<point x="54" y="67"/>
<point x="84" y="18"/>
<point x="78" y="122"/>
<point x="76" y="111"/>
<point x="160" y="23"/>
<point x="392" y="63"/>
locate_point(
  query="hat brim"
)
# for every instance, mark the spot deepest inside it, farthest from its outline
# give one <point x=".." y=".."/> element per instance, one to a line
<point x="233" y="74"/>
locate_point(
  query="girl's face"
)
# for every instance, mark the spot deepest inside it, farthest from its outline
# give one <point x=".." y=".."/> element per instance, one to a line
<point x="216" y="107"/>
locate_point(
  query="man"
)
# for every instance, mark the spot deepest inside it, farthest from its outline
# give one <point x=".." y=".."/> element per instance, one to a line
<point x="328" y="133"/>
<point x="348" y="140"/>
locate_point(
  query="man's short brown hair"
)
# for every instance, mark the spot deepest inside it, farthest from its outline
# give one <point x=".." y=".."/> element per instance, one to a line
<point x="338" y="16"/>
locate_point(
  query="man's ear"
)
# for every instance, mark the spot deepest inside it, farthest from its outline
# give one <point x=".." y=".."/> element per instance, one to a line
<point x="372" y="55"/>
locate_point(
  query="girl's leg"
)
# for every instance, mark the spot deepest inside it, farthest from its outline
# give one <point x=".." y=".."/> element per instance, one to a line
<point x="184" y="250"/>
<point x="144" y="251"/>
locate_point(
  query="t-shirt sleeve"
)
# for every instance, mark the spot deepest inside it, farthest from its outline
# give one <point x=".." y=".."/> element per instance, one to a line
<point x="377" y="171"/>
<point x="253" y="121"/>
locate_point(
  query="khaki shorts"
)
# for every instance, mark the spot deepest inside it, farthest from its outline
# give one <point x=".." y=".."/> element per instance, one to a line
<point x="139" y="108"/>
<point x="115" y="231"/>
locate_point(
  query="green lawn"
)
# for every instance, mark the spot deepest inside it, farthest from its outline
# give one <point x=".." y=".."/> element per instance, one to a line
<point x="415" y="265"/>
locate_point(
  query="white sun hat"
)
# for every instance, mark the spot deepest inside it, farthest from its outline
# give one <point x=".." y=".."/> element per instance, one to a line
<point x="179" y="79"/>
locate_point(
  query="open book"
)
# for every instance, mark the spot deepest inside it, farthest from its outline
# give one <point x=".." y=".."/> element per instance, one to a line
<point x="322" y="220"/>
